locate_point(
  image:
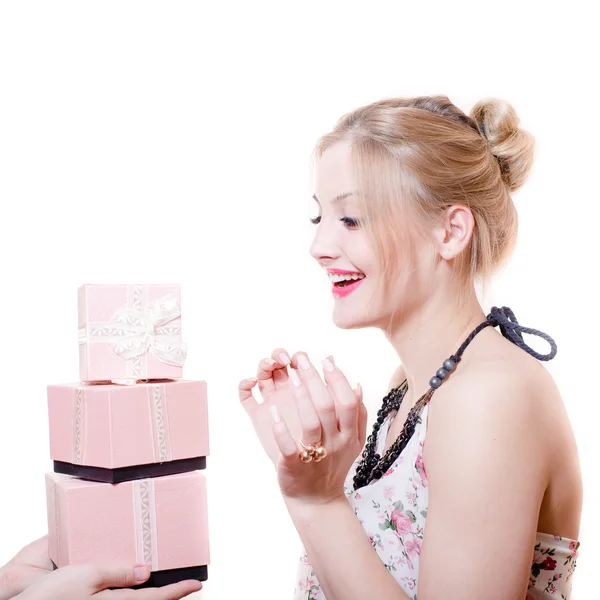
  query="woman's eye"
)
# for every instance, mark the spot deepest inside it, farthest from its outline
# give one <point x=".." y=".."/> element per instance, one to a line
<point x="350" y="222"/>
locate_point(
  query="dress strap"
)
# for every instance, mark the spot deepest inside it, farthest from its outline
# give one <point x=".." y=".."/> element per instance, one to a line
<point x="510" y="328"/>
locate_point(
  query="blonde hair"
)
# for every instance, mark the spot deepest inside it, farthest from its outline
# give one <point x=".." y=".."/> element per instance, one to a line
<point x="414" y="157"/>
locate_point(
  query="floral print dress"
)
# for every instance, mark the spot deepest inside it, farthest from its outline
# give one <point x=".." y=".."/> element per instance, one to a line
<point x="393" y="512"/>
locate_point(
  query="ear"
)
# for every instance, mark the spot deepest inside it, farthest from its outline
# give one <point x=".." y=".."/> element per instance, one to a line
<point x="454" y="231"/>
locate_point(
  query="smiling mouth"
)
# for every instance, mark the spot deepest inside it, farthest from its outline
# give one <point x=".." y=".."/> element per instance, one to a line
<point x="347" y="282"/>
<point x="345" y="287"/>
<point x="345" y="278"/>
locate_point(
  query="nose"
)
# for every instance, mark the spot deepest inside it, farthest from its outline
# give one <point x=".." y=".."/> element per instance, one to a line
<point x="324" y="247"/>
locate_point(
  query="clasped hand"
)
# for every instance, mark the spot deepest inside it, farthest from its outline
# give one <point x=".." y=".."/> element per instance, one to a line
<point x="299" y="405"/>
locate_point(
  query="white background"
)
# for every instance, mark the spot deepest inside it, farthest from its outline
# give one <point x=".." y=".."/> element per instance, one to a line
<point x="169" y="142"/>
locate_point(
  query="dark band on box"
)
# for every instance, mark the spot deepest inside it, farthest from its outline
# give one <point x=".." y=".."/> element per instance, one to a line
<point x="122" y="474"/>
<point x="169" y="576"/>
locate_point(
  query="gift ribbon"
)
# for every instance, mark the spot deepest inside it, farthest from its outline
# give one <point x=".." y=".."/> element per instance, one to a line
<point x="132" y="332"/>
<point x="78" y="421"/>
<point x="144" y="511"/>
<point x="53" y="516"/>
<point x="157" y="400"/>
<point x="57" y="519"/>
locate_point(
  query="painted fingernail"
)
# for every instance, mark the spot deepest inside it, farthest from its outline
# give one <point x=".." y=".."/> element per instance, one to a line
<point x="275" y="414"/>
<point x="358" y="391"/>
<point x="284" y="359"/>
<point x="294" y="377"/>
<point x="270" y="361"/>
<point x="303" y="362"/>
<point x="140" y="573"/>
<point x="327" y="364"/>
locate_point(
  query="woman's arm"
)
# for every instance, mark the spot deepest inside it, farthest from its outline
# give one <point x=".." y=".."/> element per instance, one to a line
<point x="340" y="553"/>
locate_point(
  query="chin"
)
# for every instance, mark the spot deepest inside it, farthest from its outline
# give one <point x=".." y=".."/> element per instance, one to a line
<point x="349" y="321"/>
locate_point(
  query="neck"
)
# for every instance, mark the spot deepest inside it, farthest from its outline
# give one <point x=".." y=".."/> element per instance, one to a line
<point x="428" y="335"/>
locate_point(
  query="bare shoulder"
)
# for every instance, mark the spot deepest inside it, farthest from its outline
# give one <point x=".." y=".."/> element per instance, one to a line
<point x="500" y="378"/>
<point x="501" y="418"/>
<point x="498" y="396"/>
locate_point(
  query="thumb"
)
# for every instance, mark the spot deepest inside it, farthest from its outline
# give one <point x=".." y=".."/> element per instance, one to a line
<point x="113" y="576"/>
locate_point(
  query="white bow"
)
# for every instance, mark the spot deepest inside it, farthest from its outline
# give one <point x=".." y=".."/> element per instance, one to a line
<point x="133" y="332"/>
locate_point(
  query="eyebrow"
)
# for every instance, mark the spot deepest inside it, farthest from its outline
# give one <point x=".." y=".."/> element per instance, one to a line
<point x="337" y="198"/>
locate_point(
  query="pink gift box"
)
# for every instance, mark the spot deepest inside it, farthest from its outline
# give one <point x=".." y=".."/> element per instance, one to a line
<point x="161" y="522"/>
<point x="130" y="332"/>
<point x="115" y="426"/>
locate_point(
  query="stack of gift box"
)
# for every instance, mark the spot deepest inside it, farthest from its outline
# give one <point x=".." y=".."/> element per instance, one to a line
<point x="128" y="441"/>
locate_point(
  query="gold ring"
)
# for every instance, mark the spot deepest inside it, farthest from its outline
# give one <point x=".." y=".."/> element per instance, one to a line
<point x="312" y="452"/>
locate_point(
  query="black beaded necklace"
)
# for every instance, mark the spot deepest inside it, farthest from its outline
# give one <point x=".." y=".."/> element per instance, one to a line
<point x="372" y="466"/>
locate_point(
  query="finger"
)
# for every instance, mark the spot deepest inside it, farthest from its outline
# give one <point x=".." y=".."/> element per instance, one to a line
<point x="33" y="548"/>
<point x="102" y="577"/>
<point x="173" y="591"/>
<point x="346" y="402"/>
<point x="264" y="374"/>
<point x="180" y="590"/>
<point x="320" y="398"/>
<point x="35" y="554"/>
<point x="245" y="395"/>
<point x="363" y="416"/>
<point x="287" y="445"/>
<point x="310" y="422"/>
<point x="14" y="578"/>
<point x="280" y="375"/>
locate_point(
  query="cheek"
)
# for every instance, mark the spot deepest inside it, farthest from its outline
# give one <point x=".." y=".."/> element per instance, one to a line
<point x="404" y="278"/>
<point x="417" y="259"/>
<point x="364" y="256"/>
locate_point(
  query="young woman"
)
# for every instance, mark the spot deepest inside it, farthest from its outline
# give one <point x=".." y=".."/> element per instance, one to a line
<point x="469" y="486"/>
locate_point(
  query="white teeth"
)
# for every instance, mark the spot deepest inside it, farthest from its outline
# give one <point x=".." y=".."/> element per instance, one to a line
<point x="334" y="278"/>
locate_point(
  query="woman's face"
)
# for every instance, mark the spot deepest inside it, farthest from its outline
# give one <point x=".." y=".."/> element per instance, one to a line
<point x="341" y="245"/>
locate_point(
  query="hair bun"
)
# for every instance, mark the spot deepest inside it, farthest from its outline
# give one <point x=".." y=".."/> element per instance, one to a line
<point x="513" y="147"/>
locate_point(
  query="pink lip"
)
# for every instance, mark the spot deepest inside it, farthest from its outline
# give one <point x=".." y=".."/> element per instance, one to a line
<point x="342" y="292"/>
